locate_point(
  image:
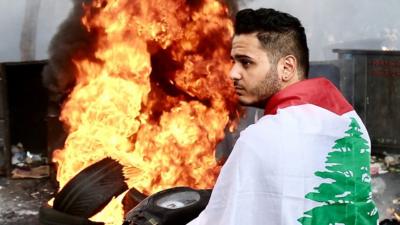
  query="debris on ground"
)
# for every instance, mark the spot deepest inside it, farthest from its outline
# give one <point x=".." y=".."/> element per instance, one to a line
<point x="27" y="164"/>
<point x="385" y="171"/>
<point x="384" y="163"/>
<point x="22" y="198"/>
<point x="35" y="172"/>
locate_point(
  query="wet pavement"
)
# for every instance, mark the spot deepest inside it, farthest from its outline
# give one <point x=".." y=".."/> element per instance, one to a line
<point x="20" y="200"/>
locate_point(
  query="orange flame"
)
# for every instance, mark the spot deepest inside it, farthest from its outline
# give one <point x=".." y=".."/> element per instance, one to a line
<point x="157" y="96"/>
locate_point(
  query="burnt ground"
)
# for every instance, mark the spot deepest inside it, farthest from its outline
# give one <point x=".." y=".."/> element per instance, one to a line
<point x="20" y="200"/>
<point x="386" y="194"/>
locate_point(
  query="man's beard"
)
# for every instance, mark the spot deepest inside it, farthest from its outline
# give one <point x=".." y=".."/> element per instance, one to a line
<point x="265" y="89"/>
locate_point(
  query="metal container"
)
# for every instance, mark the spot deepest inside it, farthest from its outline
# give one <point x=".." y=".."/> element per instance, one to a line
<point x="370" y="80"/>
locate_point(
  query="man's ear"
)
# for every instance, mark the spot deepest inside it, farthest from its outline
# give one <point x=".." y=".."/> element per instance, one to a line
<point x="287" y="68"/>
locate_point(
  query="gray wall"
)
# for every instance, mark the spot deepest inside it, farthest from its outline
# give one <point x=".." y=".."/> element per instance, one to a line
<point x="27" y="26"/>
<point x="362" y="24"/>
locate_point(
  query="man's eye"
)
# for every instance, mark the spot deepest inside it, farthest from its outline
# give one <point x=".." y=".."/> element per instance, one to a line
<point x="245" y="63"/>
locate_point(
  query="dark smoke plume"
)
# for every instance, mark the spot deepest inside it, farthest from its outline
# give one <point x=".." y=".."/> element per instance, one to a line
<point x="232" y="6"/>
<point x="71" y="41"/>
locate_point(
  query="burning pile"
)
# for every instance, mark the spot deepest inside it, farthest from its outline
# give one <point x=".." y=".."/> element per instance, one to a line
<point x="153" y="93"/>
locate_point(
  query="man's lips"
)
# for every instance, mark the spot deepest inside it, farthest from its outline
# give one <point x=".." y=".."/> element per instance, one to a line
<point x="239" y="89"/>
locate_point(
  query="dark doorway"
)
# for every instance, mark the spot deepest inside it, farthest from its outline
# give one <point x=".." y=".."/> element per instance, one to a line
<point x="26" y="105"/>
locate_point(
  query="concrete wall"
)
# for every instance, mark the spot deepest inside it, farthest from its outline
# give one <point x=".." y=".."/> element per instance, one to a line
<point x="361" y="24"/>
<point x="27" y="26"/>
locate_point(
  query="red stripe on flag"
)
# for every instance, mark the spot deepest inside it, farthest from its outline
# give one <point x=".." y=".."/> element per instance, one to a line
<point x="317" y="91"/>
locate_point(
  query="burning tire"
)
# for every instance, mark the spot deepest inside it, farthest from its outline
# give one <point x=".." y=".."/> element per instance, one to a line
<point x="175" y="206"/>
<point x="92" y="189"/>
<point x="49" y="216"/>
<point x="131" y="199"/>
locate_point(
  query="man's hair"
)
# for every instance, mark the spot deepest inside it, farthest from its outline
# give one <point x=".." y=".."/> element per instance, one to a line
<point x="281" y="34"/>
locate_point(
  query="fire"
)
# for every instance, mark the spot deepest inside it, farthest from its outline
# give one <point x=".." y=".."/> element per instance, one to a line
<point x="156" y="96"/>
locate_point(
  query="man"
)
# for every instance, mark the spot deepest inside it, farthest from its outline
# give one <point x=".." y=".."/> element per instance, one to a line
<point x="306" y="161"/>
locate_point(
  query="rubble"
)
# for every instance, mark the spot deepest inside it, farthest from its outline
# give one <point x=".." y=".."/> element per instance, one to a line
<point x="22" y="198"/>
<point x="36" y="172"/>
<point x="378" y="168"/>
<point x="381" y="164"/>
<point x="385" y="171"/>
<point x="27" y="164"/>
<point x="18" y="155"/>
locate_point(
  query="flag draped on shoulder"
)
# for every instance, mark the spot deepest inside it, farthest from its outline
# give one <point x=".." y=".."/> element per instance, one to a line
<point x="306" y="161"/>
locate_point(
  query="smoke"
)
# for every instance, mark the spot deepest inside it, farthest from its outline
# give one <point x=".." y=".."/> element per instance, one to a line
<point x="71" y="41"/>
<point x="29" y="30"/>
<point x="233" y="5"/>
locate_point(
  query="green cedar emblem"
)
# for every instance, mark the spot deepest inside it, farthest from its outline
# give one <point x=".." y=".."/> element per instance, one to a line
<point x="348" y="199"/>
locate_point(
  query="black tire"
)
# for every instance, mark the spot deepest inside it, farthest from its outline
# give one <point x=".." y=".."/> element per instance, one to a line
<point x="92" y="189"/>
<point x="131" y="199"/>
<point x="49" y="216"/>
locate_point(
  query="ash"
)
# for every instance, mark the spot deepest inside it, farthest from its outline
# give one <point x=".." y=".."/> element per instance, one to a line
<point x="21" y="199"/>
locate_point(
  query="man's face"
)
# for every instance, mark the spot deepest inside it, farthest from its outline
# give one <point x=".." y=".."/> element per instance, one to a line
<point x="255" y="78"/>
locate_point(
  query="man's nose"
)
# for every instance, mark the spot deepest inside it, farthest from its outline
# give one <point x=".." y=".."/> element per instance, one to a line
<point x="235" y="72"/>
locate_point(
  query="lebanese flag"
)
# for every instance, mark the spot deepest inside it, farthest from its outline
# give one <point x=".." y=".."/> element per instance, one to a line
<point x="306" y="161"/>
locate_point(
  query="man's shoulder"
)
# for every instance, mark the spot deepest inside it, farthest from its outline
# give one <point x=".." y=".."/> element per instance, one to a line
<point x="299" y="120"/>
<point x="266" y="128"/>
